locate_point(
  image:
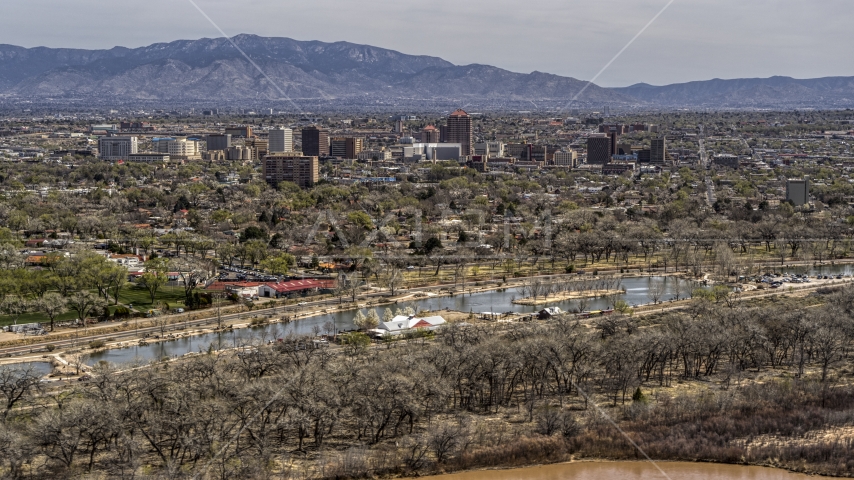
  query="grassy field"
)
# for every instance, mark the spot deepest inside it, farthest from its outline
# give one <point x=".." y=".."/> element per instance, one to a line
<point x="130" y="295"/>
<point x="141" y="300"/>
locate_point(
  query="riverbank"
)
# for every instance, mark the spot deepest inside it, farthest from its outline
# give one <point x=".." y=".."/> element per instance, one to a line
<point x="562" y="297"/>
<point x="491" y="404"/>
<point x="474" y="300"/>
<point x="313" y="307"/>
<point x="608" y="470"/>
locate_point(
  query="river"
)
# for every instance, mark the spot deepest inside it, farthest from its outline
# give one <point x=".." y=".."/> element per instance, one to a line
<point x="628" y="471"/>
<point x="496" y="301"/>
<point x="43" y="368"/>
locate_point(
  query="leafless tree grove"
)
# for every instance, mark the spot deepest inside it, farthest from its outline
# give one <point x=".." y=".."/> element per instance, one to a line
<point x="293" y="411"/>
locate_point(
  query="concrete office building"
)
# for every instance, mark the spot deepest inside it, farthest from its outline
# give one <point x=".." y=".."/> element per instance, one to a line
<point x="301" y="170"/>
<point x="374" y="155"/>
<point x="489" y="149"/>
<point x="348" y="148"/>
<point x="658" y="151"/>
<point x="179" y="147"/>
<point x="219" y="142"/>
<point x="215" y="155"/>
<point x="798" y="191"/>
<point x="433" y="152"/>
<point x="281" y="140"/>
<point x="598" y="149"/>
<point x="566" y="159"/>
<point x="315" y="142"/>
<point x="526" y="152"/>
<point x="239" y="153"/>
<point x="460" y="131"/>
<point x="479" y="163"/>
<point x="117" y="148"/>
<point x="260" y="148"/>
<point x="430" y="134"/>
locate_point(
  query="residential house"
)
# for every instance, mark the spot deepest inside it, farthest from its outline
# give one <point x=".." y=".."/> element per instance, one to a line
<point x="402" y="324"/>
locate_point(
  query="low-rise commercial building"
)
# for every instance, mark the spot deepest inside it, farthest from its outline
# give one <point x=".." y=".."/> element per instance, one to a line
<point x="432" y="151"/>
<point x="726" y="160"/>
<point x="566" y="159"/>
<point x="149" y="157"/>
<point x="179" y="147"/>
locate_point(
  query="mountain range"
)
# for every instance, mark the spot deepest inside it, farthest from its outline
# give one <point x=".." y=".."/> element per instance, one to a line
<point x="214" y="70"/>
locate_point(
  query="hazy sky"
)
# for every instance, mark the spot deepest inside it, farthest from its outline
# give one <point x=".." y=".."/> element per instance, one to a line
<point x="692" y="40"/>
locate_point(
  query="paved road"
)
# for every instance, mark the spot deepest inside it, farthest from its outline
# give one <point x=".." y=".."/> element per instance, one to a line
<point x="710" y="191"/>
<point x="293" y="311"/>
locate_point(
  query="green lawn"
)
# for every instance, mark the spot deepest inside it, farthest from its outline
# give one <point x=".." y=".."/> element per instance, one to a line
<point x="130" y="295"/>
<point x="141" y="300"/>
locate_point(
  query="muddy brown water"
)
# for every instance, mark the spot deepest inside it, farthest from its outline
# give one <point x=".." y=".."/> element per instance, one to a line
<point x="629" y="471"/>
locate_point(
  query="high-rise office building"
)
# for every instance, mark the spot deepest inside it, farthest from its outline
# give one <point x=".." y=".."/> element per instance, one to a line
<point x="281" y="140"/>
<point x="658" y="150"/>
<point x="598" y="149"/>
<point x="798" y="191"/>
<point x="117" y="148"/>
<point x="338" y="147"/>
<point x="348" y="147"/>
<point x="460" y="131"/>
<point x="301" y="170"/>
<point x="443" y="134"/>
<point x="315" y="142"/>
<point x="430" y="134"/>
<point x="219" y="142"/>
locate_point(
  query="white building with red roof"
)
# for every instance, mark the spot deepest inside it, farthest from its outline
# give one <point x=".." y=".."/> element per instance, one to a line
<point x="402" y="324"/>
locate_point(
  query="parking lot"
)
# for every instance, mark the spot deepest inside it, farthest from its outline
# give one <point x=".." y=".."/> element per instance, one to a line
<point x="238" y="274"/>
<point x="777" y="280"/>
